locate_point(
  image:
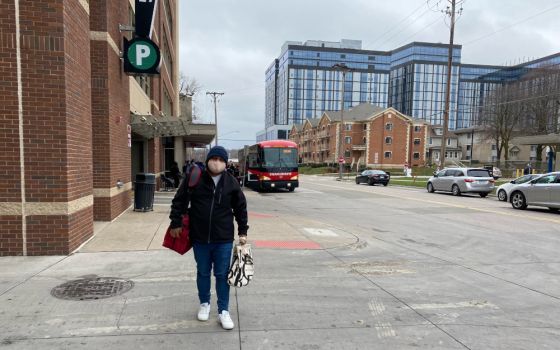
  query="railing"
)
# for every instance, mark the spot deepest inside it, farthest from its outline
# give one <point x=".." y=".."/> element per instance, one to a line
<point x="358" y="147"/>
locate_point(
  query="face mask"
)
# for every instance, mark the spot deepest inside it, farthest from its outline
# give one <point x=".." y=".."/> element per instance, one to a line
<point x="216" y="166"/>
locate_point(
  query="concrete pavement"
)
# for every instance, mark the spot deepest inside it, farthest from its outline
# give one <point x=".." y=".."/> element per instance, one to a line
<point x="337" y="267"/>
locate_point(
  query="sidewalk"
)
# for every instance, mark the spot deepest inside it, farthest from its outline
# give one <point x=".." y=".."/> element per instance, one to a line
<point x="287" y="300"/>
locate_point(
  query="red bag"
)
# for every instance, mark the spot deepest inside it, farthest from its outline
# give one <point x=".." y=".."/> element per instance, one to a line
<point x="181" y="244"/>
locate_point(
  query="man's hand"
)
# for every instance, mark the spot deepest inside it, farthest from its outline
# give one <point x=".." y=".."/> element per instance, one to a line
<point x="176" y="232"/>
<point x="242" y="240"/>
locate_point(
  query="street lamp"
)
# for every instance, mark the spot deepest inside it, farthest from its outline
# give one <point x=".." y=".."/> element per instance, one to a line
<point x="341" y="67"/>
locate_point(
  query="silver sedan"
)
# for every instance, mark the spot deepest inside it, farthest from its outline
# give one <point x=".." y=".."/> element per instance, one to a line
<point x="543" y="191"/>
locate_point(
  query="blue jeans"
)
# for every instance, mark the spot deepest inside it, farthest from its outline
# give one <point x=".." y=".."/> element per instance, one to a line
<point x="218" y="255"/>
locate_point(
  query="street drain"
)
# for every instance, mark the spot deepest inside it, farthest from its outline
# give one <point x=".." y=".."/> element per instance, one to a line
<point x="92" y="288"/>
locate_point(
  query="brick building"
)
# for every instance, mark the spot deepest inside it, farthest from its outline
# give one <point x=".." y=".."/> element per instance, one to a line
<point x="377" y="137"/>
<point x="65" y="107"/>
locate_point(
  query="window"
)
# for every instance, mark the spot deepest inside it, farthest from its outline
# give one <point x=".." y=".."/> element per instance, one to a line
<point x="348" y="140"/>
<point x="167" y="104"/>
<point x="145" y="84"/>
<point x="417" y="128"/>
<point x="388" y="140"/>
<point x="342" y="56"/>
<point x="371" y="58"/>
<point x="347" y="154"/>
<point x="493" y="147"/>
<point x="388" y="154"/>
<point x="478" y="173"/>
<point x="416" y="155"/>
<point x="546" y="179"/>
<point x="468" y="147"/>
<point x="348" y="127"/>
<point x="168" y="16"/>
<point x="416" y="141"/>
<point x="389" y="126"/>
<point x="430" y="140"/>
<point x="448" y="142"/>
<point x="365" y="126"/>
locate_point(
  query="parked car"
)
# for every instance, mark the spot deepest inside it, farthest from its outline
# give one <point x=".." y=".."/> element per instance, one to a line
<point x="504" y="190"/>
<point x="496" y="173"/>
<point x="462" y="180"/>
<point x="372" y="177"/>
<point x="543" y="191"/>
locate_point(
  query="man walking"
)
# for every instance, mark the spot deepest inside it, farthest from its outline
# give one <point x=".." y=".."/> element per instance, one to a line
<point x="214" y="202"/>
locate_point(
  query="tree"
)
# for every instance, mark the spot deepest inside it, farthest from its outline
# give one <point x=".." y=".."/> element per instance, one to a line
<point x="188" y="88"/>
<point x="541" y="90"/>
<point x="500" y="117"/>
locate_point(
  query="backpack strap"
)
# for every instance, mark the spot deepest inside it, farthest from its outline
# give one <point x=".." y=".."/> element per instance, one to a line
<point x="194" y="177"/>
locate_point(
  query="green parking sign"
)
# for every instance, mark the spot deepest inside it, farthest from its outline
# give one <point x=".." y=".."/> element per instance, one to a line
<point x="141" y="56"/>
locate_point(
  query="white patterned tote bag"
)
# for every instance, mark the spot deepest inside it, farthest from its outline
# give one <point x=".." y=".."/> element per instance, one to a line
<point x="242" y="268"/>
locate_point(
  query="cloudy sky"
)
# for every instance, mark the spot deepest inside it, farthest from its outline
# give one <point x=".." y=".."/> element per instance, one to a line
<point x="226" y="45"/>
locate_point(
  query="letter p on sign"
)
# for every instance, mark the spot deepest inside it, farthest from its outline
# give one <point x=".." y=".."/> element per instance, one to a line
<point x="142" y="51"/>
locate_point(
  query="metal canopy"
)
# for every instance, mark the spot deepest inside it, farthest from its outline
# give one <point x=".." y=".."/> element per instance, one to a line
<point x="151" y="127"/>
<point x="550" y="139"/>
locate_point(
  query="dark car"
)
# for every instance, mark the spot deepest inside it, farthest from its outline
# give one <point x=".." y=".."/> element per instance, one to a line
<point x="372" y="177"/>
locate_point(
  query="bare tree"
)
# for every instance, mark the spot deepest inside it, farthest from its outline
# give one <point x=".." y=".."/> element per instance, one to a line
<point x="500" y="117"/>
<point x="188" y="88"/>
<point x="540" y="89"/>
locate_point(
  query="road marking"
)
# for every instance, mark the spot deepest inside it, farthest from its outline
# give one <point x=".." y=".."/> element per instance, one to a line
<point x="385" y="330"/>
<point x="320" y="232"/>
<point x="376" y="307"/>
<point x="306" y="190"/>
<point x="463" y="304"/>
<point x="450" y="205"/>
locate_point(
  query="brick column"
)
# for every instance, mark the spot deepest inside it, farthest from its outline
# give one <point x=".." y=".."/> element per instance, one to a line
<point x="110" y="111"/>
<point x="54" y="214"/>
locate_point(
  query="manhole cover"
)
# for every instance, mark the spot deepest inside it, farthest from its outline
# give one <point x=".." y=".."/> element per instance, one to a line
<point x="92" y="288"/>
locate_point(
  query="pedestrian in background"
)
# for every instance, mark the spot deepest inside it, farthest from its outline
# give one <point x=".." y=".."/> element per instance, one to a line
<point x="214" y="203"/>
<point x="528" y="169"/>
<point x="175" y="173"/>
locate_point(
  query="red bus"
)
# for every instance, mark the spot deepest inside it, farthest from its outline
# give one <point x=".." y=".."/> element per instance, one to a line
<point x="269" y="165"/>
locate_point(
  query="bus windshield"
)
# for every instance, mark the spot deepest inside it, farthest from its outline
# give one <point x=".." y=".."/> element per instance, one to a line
<point x="280" y="158"/>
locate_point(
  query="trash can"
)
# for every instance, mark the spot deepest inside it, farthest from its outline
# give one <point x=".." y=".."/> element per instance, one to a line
<point x="144" y="190"/>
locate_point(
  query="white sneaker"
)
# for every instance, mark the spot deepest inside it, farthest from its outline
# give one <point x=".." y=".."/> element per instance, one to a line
<point x="204" y="312"/>
<point x="225" y="319"/>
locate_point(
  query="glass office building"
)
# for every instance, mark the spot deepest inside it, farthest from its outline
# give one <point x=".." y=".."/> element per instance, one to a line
<point x="302" y="82"/>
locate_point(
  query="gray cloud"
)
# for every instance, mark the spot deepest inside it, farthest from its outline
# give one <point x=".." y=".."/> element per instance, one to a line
<point x="228" y="44"/>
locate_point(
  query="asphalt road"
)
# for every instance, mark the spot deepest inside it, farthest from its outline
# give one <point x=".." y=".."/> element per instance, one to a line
<point x="479" y="273"/>
<point x="337" y="266"/>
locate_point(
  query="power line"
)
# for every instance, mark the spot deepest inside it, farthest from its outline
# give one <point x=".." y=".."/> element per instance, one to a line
<point x="511" y="25"/>
<point x="418" y="32"/>
<point x="396" y="26"/>
<point x="403" y="28"/>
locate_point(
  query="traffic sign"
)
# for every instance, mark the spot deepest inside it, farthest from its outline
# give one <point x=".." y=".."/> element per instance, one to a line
<point x="341" y="160"/>
<point x="141" y="56"/>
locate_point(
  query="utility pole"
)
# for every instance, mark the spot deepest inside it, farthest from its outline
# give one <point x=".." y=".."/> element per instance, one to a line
<point x="215" y="98"/>
<point x="344" y="69"/>
<point x="449" y="11"/>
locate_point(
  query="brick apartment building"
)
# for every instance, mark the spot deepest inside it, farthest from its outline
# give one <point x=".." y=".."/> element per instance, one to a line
<point x="374" y="136"/>
<point x="65" y="108"/>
